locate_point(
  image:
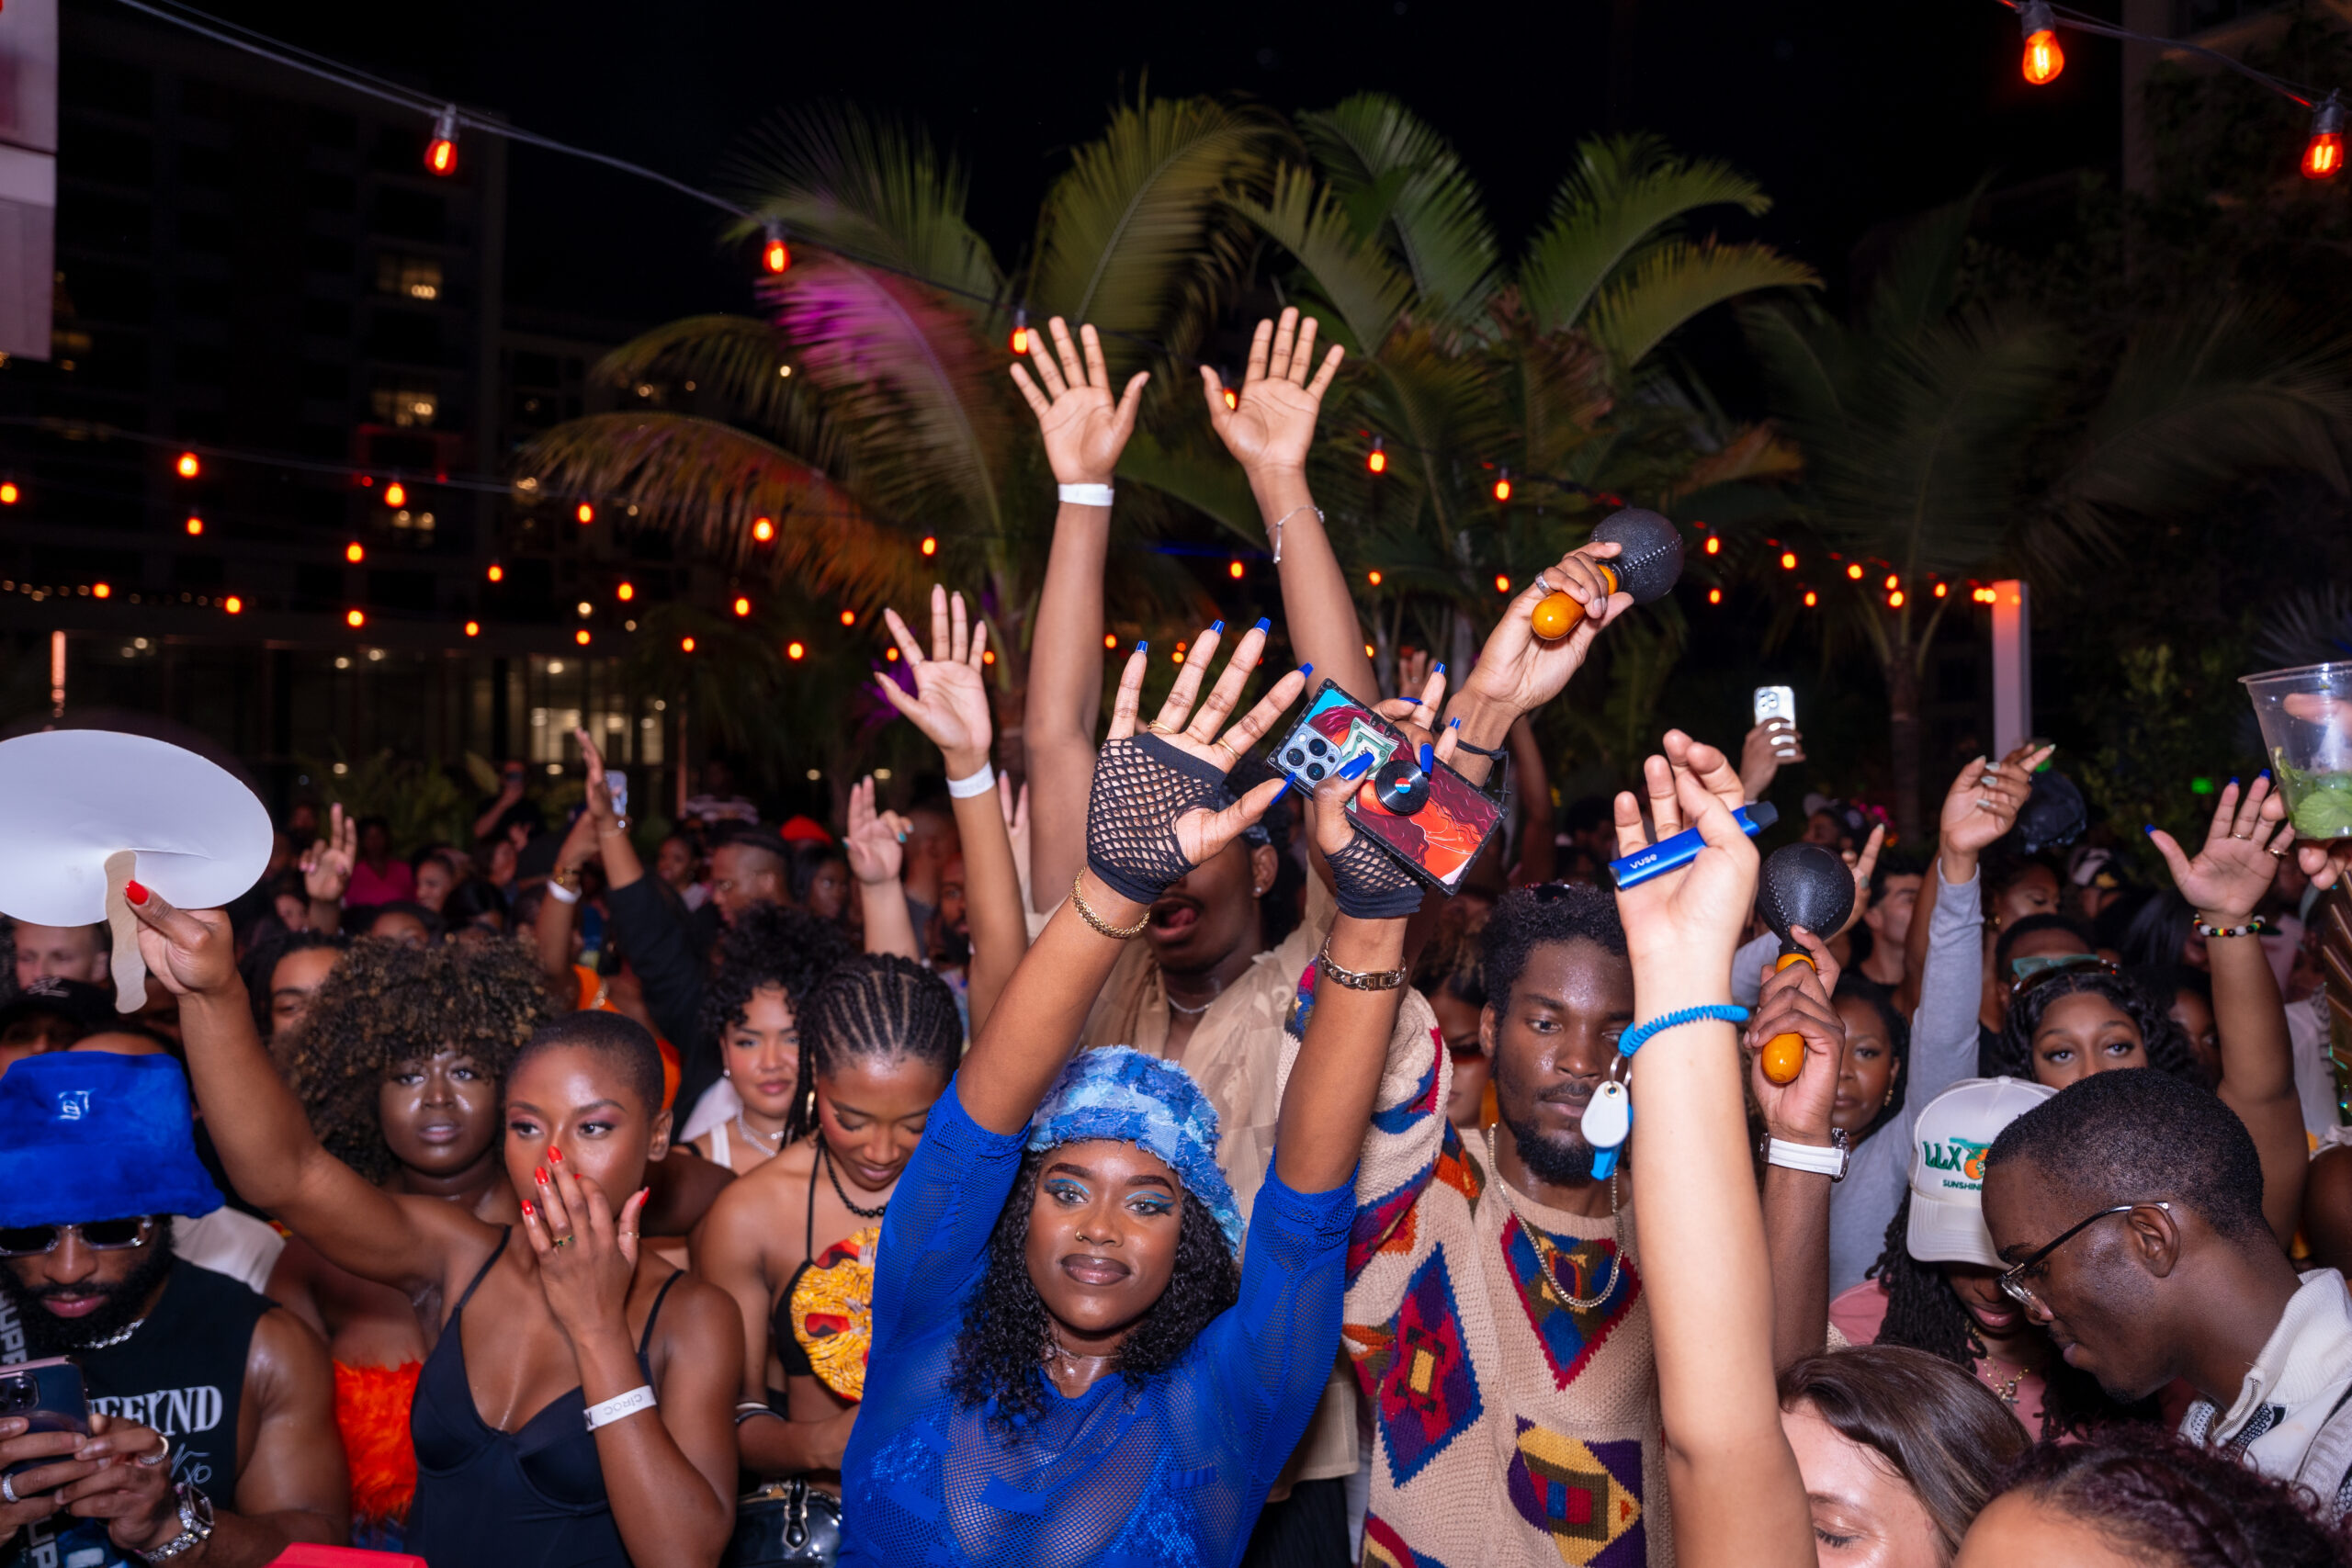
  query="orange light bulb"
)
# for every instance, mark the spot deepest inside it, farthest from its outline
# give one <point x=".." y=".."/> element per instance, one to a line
<point x="776" y="255"/>
<point x="890" y="654"/>
<point x="742" y="606"/>
<point x="1940" y="590"/>
<point x="930" y="545"/>
<point x="189" y="466"/>
<point x="355" y="552"/>
<point x="101" y="591"/>
<point x="1233" y="569"/>
<point x="441" y="152"/>
<point x="1715" y="544"/>
<point x="354" y="618"/>
<point x="2323" y="154"/>
<point x="585" y="513"/>
<point x="1502" y="584"/>
<point x="1376" y="460"/>
<point x="848" y="617"/>
<point x="1502" y="489"/>
<point x="581" y="636"/>
<point x="1714" y="595"/>
<point x="1232" y="399"/>
<point x="473" y="628"/>
<point x="8" y="492"/>
<point x="686" y="645"/>
<point x="497" y="572"/>
<point x="1110" y="640"/>
<point x="762" y="529"/>
<point x="1372" y="577"/>
<point x="1811" y="599"/>
<point x="1787" y="560"/>
<point x="624" y="593"/>
<point x="1020" y="339"/>
<point x="795" y="650"/>
<point x="396" y="494"/>
<point x="1854" y="570"/>
<point x="194" y="525"/>
<point x="1895" y="599"/>
<point x="2043" y="58"/>
<point x="988" y="656"/>
<point x="233" y="604"/>
<point x="1893" y="582"/>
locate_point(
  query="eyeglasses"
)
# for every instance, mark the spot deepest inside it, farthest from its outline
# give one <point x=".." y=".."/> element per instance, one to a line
<point x="2031" y="972"/>
<point x="2013" y="1283"/>
<point x="98" y="1235"/>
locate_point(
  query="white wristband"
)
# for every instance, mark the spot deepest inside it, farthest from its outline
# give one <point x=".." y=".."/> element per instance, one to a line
<point x="979" y="783"/>
<point x="560" y="894"/>
<point x="1086" y="495"/>
<point x="1829" y="1162"/>
<point x="621" y="1404"/>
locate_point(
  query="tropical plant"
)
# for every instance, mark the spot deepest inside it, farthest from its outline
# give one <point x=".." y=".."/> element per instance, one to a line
<point x="1945" y="438"/>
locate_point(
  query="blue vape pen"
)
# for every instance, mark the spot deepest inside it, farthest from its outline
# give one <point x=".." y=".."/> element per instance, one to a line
<point x="1635" y="869"/>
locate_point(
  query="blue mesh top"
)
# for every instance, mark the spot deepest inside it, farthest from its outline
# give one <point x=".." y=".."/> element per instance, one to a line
<point x="1173" y="1475"/>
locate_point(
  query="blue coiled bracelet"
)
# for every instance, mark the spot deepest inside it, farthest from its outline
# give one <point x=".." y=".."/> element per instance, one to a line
<point x="1604" y="1157"/>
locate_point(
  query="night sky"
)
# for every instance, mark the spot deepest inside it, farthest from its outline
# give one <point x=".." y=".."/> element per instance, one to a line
<point x="1850" y="115"/>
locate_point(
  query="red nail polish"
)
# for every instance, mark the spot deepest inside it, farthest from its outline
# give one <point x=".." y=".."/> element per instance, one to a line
<point x="541" y="1172"/>
<point x="132" y="891"/>
<point x="555" y="1155"/>
<point x="527" y="1210"/>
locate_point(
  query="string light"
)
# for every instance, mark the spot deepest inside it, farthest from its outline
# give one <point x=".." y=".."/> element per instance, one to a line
<point x="355" y="552"/>
<point x="1895" y="599"/>
<point x="354" y="619"/>
<point x="1892" y="582"/>
<point x="624" y="593"/>
<point x="585" y="609"/>
<point x="1787" y="560"/>
<point x="2043" y="58"/>
<point x="233" y="604"/>
<point x="1502" y="584"/>
<point x="1715" y="544"/>
<point x="1376" y="460"/>
<point x="194" y="525"/>
<point x="1110" y="640"/>
<point x="1985" y="596"/>
<point x="1021" y="332"/>
<point x="1940" y="590"/>
<point x="441" y="152"/>
<point x="396" y="494"/>
<point x="497" y="572"/>
<point x="581" y="636"/>
<point x="101" y="591"/>
<point x="1811" y="599"/>
<point x="9" y="493"/>
<point x="1372" y="577"/>
<point x="743" y="606"/>
<point x="686" y="645"/>
<point x="1367" y="652"/>
<point x="795" y="650"/>
<point x="890" y="654"/>
<point x="776" y="255"/>
<point x="585" y="512"/>
<point x="473" y="628"/>
<point x="1232" y="399"/>
<point x="848" y="617"/>
<point x="1714" y="595"/>
<point x="1502" y="486"/>
<point x="2323" y="154"/>
<point x="988" y="656"/>
<point x="1233" y="569"/>
<point x="762" y="529"/>
<point x="1854" y="570"/>
<point x="187" y="468"/>
<point x="930" y="545"/>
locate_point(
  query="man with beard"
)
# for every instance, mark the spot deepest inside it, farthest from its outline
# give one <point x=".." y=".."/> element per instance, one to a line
<point x="1495" y="1308"/>
<point x="2128" y="1206"/>
<point x="95" y="1156"/>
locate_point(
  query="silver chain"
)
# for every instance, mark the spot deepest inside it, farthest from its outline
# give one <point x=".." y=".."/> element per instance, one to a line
<point x="1538" y="1240"/>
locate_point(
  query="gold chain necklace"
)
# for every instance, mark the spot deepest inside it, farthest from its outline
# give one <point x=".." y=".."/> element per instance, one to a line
<point x="1540" y="1242"/>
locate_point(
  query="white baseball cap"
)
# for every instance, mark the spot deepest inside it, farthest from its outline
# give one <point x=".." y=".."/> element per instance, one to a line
<point x="1948" y="1145"/>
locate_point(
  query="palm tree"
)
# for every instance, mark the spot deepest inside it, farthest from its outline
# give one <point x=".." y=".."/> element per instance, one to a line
<point x="870" y="414"/>
<point x="1944" y="437"/>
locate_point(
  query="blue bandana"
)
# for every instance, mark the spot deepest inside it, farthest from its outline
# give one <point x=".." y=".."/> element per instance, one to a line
<point x="1119" y="1093"/>
<point x="92" y="1135"/>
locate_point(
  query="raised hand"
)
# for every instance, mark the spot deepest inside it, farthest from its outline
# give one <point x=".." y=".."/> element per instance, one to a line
<point x="1158" y="806"/>
<point x="1768" y="746"/>
<point x="1796" y="1000"/>
<point x="877" y="841"/>
<point x="599" y="792"/>
<point x="951" y="701"/>
<point x="1084" y="431"/>
<point x="587" y="1255"/>
<point x="1682" y="928"/>
<point x="2234" y="869"/>
<point x="1271" y="423"/>
<point x="190" y="950"/>
<point x="1863" y="865"/>
<point x="1367" y="883"/>
<point x="1518" y="671"/>
<point x="1981" y="805"/>
<point x="327" y="864"/>
<point x="2321" y="860"/>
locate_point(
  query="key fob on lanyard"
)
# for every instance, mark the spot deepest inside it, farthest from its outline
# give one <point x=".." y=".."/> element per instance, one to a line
<point x="1606" y="1121"/>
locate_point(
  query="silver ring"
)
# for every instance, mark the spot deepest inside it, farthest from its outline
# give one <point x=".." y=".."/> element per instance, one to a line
<point x="8" y="1489"/>
<point x="163" y="1452"/>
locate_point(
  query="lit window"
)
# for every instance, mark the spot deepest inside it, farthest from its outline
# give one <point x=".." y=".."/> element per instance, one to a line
<point x="405" y="403"/>
<point x="411" y="277"/>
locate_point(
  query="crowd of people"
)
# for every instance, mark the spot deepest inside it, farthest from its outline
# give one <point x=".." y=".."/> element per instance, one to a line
<point x="1143" y="1166"/>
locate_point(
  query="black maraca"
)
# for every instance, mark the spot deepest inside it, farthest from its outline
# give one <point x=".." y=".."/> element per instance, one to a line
<point x="1648" y="560"/>
<point x="1802" y="884"/>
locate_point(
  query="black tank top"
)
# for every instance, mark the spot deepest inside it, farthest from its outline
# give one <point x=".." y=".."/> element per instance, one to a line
<point x="183" y="1373"/>
<point x="533" y="1498"/>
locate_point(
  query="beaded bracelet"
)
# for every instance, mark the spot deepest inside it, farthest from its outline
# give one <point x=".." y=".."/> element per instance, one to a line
<point x="1639" y="1035"/>
<point x="2254" y="926"/>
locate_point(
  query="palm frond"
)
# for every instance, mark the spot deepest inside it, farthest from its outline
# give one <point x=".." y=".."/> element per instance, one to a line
<point x="1676" y="280"/>
<point x="1206" y="480"/>
<point x="1364" y="288"/>
<point x="918" y="403"/>
<point x="850" y="180"/>
<point x="733" y="361"/>
<point x="1400" y="182"/>
<point x="2309" y="626"/>
<point x="1920" y="281"/>
<point x="1135" y="237"/>
<point x="705" y="481"/>
<point x="1625" y="194"/>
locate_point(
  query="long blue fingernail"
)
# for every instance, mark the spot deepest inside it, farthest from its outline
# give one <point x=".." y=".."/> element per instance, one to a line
<point x="1437" y="670"/>
<point x="2233" y="781"/>
<point x="2262" y="775"/>
<point x="1306" y="668"/>
<point x="1454" y="724"/>
<point x="1216" y="626"/>
<point x="1143" y="648"/>
<point x="1264" y="624"/>
<point x="2148" y="828"/>
<point x="1429" y="757"/>
<point x="1279" y="792"/>
<point x="1358" y="768"/>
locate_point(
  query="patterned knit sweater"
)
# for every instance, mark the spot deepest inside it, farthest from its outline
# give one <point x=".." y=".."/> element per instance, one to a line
<point x="1512" y="1430"/>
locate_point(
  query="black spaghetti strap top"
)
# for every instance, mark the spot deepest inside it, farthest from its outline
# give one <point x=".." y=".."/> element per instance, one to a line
<point x="532" y="1498"/>
<point x="789" y="1351"/>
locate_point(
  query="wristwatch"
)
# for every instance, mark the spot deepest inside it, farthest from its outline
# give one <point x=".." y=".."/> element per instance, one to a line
<point x="196" y="1527"/>
<point x="1830" y="1162"/>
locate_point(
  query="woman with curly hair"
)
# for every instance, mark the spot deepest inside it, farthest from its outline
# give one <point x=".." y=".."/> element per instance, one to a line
<point x="2069" y="1022"/>
<point x="1066" y="1364"/>
<point x="399" y="1062"/>
<point x="770" y="962"/>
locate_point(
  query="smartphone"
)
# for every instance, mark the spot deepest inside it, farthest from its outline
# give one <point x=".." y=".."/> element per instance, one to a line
<point x="617" y="785"/>
<point x="1436" y="834"/>
<point x="1776" y="702"/>
<point x="48" y="1396"/>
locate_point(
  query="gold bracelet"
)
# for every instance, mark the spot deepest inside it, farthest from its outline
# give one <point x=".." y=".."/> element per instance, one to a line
<point x="1116" y="933"/>
<point x="1361" y="979"/>
<point x="566" y="877"/>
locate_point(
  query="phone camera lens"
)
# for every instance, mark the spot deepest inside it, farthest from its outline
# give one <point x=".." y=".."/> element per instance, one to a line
<point x="1318" y="747"/>
<point x="1315" y="770"/>
<point x="1293" y="756"/>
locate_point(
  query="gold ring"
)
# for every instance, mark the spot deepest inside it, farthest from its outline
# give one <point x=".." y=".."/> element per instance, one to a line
<point x="560" y="1241"/>
<point x="2248" y="836"/>
<point x="2276" y="853"/>
<point x="1160" y="729"/>
<point x="1233" y="758"/>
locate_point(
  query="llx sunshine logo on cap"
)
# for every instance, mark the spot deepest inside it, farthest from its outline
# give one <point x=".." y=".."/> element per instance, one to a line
<point x="1953" y="1133"/>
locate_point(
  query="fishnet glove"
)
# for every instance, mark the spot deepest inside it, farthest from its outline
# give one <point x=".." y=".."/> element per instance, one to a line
<point x="1142" y="785"/>
<point x="1370" y="885"/>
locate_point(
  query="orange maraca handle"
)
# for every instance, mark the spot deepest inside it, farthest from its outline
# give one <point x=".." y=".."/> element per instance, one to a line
<point x="1784" y="1053"/>
<point x="1557" y="615"/>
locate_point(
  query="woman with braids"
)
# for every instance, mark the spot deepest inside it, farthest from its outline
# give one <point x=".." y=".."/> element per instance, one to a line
<point x="770" y="962"/>
<point x="2068" y="1022"/>
<point x="397" y="1062"/>
<point x="1066" y="1366"/>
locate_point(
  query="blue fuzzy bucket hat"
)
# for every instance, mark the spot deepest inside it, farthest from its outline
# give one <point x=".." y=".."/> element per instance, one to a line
<point x="91" y="1136"/>
<point x="1119" y="1093"/>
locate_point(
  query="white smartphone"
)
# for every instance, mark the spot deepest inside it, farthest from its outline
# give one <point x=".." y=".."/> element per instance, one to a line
<point x="617" y="785"/>
<point x="1776" y="702"/>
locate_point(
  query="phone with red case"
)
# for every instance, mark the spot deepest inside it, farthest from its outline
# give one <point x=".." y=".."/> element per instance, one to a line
<point x="1440" y="841"/>
<point x="48" y="1396"/>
